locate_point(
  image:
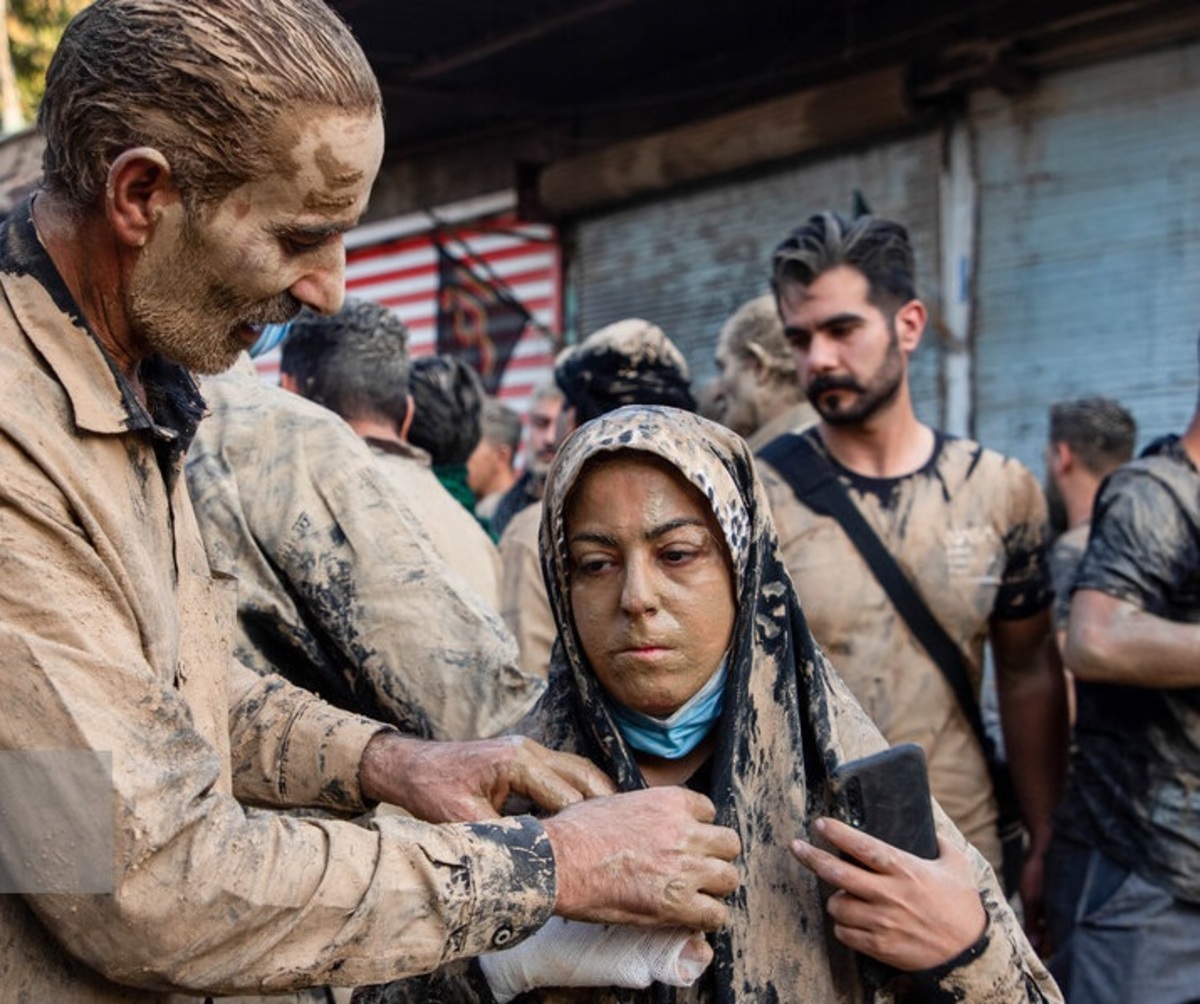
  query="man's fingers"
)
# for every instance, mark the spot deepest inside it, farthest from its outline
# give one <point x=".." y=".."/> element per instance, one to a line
<point x="550" y="779"/>
<point x="588" y="780"/>
<point x="705" y="913"/>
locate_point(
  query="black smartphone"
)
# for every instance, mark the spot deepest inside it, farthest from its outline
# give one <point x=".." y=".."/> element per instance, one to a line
<point x="886" y="795"/>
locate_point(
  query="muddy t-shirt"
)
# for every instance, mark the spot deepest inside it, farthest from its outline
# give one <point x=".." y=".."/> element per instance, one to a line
<point x="968" y="527"/>
<point x="1135" y="774"/>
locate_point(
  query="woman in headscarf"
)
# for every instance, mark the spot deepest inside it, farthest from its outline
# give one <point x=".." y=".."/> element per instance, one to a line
<point x="683" y="658"/>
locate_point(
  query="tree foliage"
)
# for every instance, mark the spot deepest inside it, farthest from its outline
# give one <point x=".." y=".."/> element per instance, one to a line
<point x="34" y="28"/>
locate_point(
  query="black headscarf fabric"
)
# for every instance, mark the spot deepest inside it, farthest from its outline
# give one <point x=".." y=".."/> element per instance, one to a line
<point x="630" y="362"/>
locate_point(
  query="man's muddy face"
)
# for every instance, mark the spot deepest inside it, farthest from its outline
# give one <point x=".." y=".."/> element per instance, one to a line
<point x="543" y="440"/>
<point x="208" y="280"/>
<point x="736" y="387"/>
<point x="847" y="350"/>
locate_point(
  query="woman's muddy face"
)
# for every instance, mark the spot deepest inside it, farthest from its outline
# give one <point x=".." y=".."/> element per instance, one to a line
<point x="651" y="587"/>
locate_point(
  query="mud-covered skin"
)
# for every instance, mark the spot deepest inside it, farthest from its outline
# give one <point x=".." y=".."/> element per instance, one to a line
<point x="116" y="638"/>
<point x="799" y="416"/>
<point x="969" y="527"/>
<point x="1134" y="790"/>
<point x="339" y="586"/>
<point x="788" y="720"/>
<point x="1064" y="558"/>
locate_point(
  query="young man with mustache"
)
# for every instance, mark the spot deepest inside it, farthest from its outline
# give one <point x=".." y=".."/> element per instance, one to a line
<point x="964" y="524"/>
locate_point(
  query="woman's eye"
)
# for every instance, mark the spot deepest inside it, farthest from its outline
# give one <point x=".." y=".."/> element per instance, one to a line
<point x="678" y="555"/>
<point x="591" y="565"/>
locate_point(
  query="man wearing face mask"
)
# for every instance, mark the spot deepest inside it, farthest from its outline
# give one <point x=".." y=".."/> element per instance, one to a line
<point x="203" y="161"/>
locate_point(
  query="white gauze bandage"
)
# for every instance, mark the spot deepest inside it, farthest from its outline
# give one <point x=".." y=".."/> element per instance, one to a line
<point x="572" y="953"/>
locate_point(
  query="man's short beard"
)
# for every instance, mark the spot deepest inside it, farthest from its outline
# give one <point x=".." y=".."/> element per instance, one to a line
<point x="182" y="312"/>
<point x="884" y="386"/>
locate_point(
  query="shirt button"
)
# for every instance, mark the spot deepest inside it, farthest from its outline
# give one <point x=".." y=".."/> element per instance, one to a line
<point x="502" y="937"/>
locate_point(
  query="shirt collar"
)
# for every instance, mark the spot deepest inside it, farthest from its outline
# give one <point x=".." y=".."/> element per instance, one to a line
<point x="102" y="399"/>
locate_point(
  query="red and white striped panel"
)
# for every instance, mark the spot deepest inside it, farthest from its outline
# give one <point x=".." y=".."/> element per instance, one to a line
<point x="402" y="274"/>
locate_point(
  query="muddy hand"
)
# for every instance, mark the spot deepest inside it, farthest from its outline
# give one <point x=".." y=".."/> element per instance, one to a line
<point x="444" y="782"/>
<point x="900" y="909"/>
<point x="647" y="857"/>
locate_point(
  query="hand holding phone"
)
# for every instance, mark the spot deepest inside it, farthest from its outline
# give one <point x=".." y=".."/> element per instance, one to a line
<point x="886" y="795"/>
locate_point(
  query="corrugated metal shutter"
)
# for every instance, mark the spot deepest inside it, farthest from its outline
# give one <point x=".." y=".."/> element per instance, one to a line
<point x="402" y="274"/>
<point x="1089" y="247"/>
<point x="688" y="261"/>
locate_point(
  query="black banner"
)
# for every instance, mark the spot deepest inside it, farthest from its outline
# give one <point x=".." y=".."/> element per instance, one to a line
<point x="477" y="320"/>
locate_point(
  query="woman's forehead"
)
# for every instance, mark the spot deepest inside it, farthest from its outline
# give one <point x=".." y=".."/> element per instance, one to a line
<point x="609" y="479"/>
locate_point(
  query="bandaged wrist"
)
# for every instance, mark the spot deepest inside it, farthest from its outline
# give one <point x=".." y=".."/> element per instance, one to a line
<point x="572" y="953"/>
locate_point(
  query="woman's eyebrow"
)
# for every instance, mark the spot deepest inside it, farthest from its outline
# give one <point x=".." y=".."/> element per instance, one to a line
<point x="592" y="537"/>
<point x="611" y="540"/>
<point x="674" y="524"/>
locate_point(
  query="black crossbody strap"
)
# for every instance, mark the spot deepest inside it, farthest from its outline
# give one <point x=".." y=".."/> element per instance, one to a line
<point x="816" y="484"/>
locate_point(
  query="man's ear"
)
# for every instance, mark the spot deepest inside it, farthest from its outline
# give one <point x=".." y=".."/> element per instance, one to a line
<point x="1062" y="458"/>
<point x="289" y="383"/>
<point x="910" y="324"/>
<point x="756" y="357"/>
<point x="140" y="185"/>
<point x="409" y="411"/>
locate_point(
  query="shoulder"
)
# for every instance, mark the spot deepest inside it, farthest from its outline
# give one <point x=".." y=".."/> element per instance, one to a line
<point x="967" y="462"/>
<point x="522" y="530"/>
<point x="990" y="480"/>
<point x="1152" y="499"/>
<point x="1169" y="471"/>
<point x="248" y="416"/>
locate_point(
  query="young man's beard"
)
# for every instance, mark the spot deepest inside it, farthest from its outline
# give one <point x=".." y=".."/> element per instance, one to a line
<point x="865" y="399"/>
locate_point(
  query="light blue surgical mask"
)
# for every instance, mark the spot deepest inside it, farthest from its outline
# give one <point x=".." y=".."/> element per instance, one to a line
<point x="675" y="737"/>
<point x="270" y="336"/>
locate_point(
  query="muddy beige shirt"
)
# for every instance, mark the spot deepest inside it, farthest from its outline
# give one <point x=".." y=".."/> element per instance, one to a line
<point x="339" y="587"/>
<point x="523" y="600"/>
<point x="116" y="639"/>
<point x="799" y="416"/>
<point x="969" y="528"/>
<point x="455" y="533"/>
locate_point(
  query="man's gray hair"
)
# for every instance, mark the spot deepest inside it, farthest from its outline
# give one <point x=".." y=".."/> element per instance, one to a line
<point x="500" y="424"/>
<point x="354" y="362"/>
<point x="1100" y="432"/>
<point x="877" y="248"/>
<point x="755" y="330"/>
<point x="208" y="83"/>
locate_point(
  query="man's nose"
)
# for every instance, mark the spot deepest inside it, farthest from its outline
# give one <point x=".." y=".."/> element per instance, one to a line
<point x="821" y="354"/>
<point x="323" y="286"/>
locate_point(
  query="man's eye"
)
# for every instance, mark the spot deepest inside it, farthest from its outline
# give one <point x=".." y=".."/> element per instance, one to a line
<point x="302" y="243"/>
